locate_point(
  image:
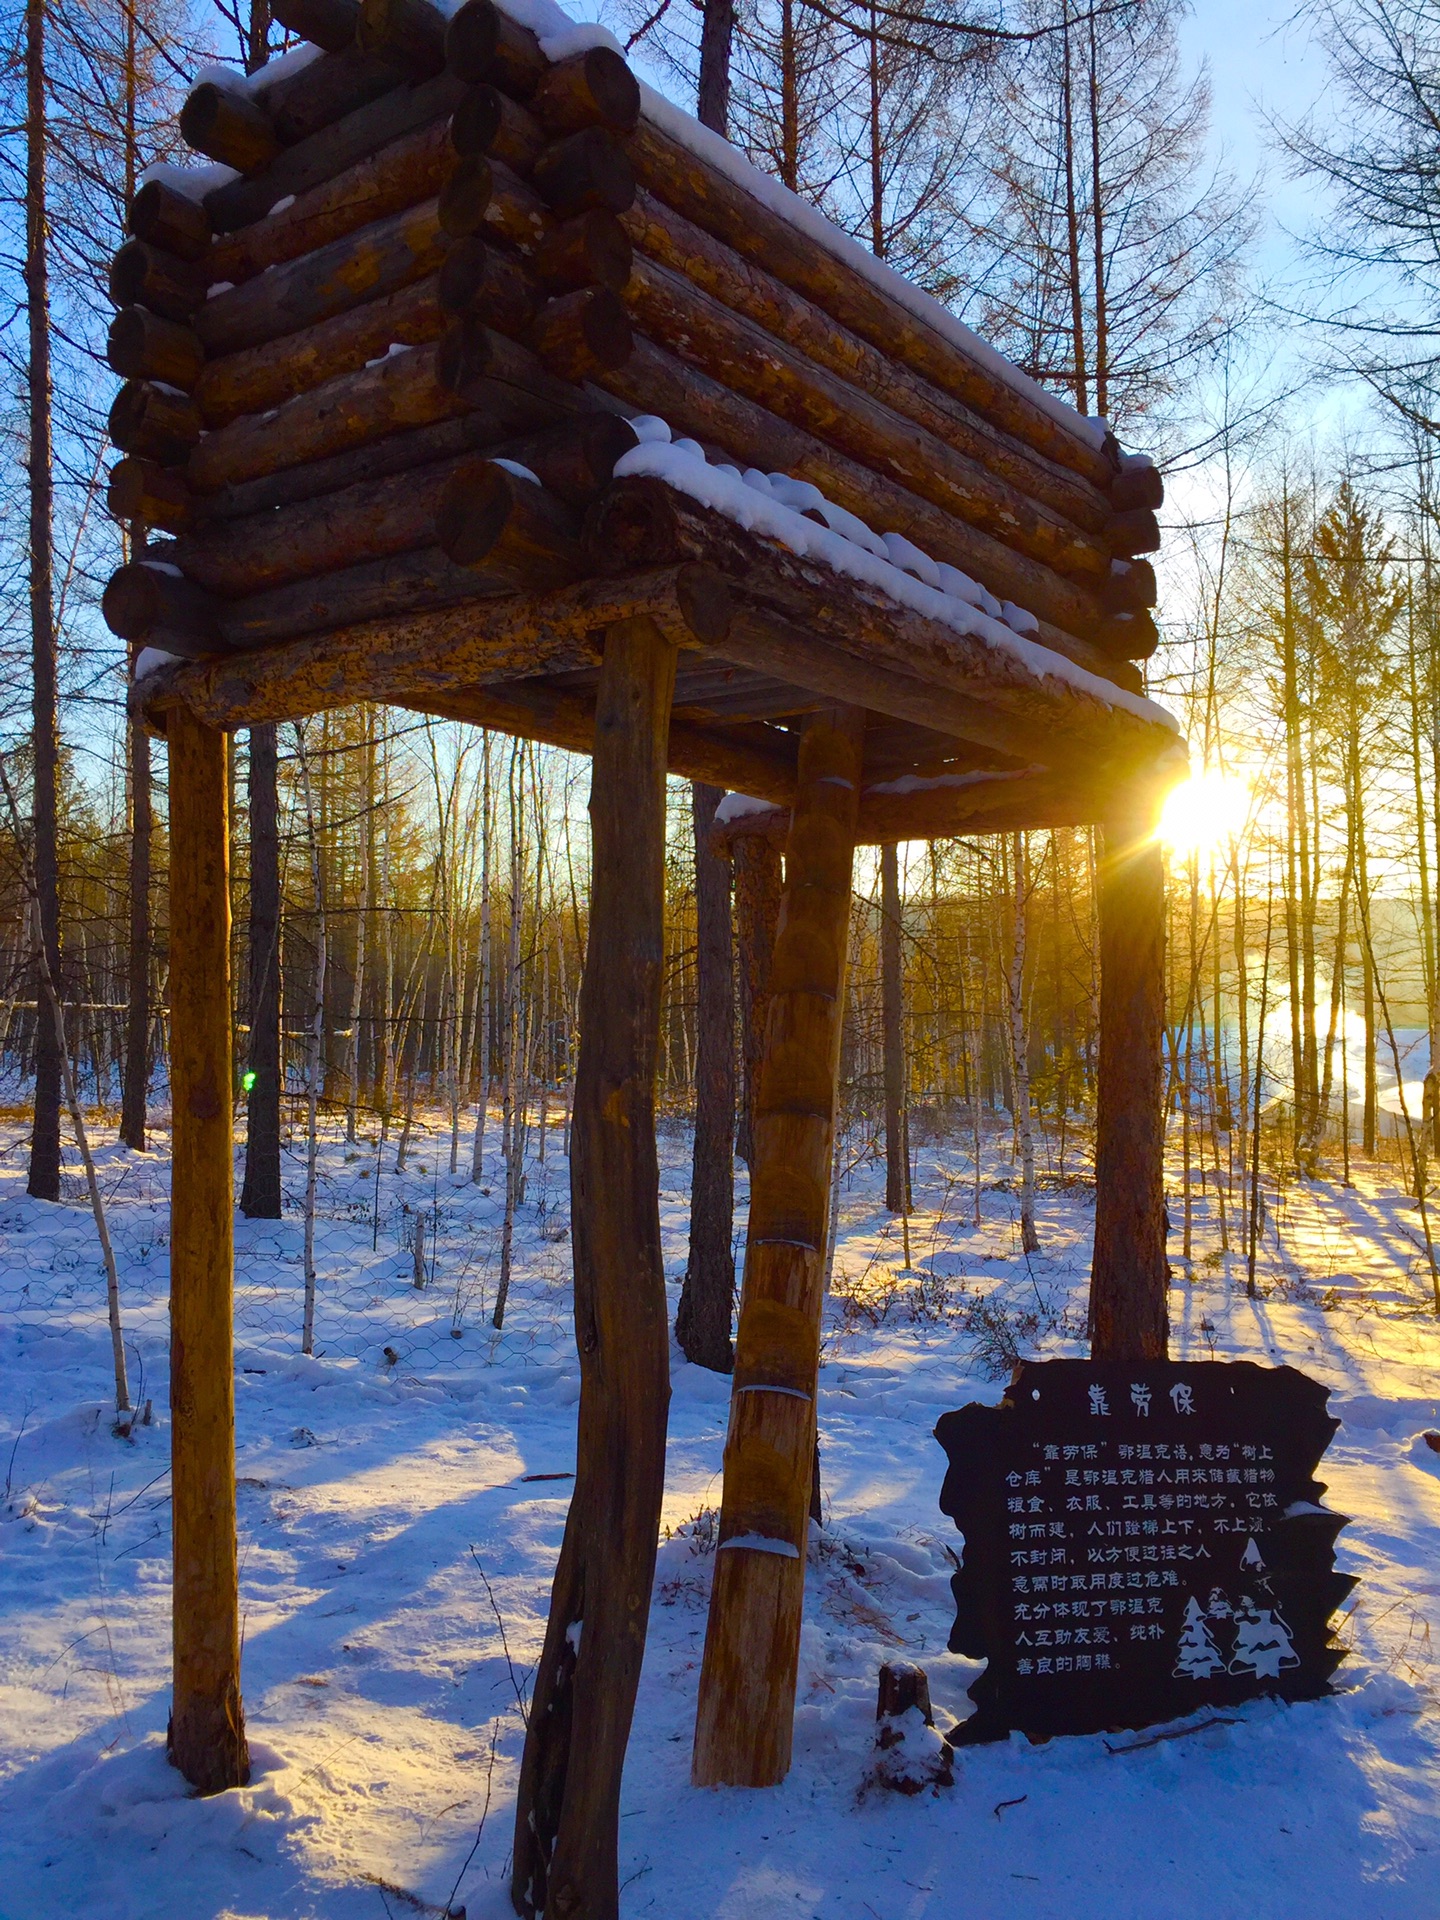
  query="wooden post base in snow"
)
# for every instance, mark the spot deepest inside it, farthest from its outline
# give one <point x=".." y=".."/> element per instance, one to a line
<point x="568" y="1809"/>
<point x="1129" y="1315"/>
<point x="752" y="1643"/>
<point x="207" y="1722"/>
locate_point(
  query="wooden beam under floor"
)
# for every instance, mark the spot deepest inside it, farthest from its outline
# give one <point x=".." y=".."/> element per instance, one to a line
<point x="934" y="809"/>
<point x="758" y="760"/>
<point x="405" y="659"/>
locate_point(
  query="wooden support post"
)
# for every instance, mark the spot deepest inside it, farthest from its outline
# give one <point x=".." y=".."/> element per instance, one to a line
<point x="207" y="1722"/>
<point x="702" y="1319"/>
<point x="757" y="909"/>
<point x="1129" y="1277"/>
<point x="567" y="1816"/>
<point x="752" y="1643"/>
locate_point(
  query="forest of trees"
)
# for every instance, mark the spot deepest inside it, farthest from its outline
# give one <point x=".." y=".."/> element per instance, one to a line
<point x="410" y="895"/>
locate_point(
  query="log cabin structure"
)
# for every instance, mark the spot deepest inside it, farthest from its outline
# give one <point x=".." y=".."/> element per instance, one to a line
<point x="471" y="376"/>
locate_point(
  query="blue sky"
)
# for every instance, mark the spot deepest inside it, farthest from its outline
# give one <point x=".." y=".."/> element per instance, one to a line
<point x="1261" y="63"/>
<point x="1263" y="67"/>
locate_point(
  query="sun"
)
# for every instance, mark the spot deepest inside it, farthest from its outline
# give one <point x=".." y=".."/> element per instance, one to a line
<point x="1203" y="812"/>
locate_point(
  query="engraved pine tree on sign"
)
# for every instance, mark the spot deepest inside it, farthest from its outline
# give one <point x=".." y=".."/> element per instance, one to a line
<point x="1198" y="1657"/>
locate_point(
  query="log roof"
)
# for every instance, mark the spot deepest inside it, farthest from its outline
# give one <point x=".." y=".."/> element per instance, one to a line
<point x="465" y="345"/>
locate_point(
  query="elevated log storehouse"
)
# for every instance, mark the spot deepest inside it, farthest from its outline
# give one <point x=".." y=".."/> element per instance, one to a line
<point x="471" y="376"/>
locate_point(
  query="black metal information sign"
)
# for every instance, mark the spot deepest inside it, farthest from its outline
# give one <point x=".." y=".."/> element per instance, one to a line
<point x="1141" y="1541"/>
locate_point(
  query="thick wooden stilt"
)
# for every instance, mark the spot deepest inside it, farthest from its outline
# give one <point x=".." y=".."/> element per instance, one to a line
<point x="207" y="1722"/>
<point x="757" y="909"/>
<point x="1129" y="1313"/>
<point x="702" y="1319"/>
<point x="567" y="1816"/>
<point x="752" y="1643"/>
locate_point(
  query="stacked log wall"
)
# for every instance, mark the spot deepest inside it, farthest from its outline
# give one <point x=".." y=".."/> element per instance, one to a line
<point x="420" y="262"/>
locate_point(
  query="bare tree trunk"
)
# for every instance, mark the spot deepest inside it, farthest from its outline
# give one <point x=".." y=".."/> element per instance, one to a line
<point x="789" y="97"/>
<point x="1432" y="714"/>
<point x="1185" y="1050"/>
<point x="717" y="31"/>
<point x="1371" y="1112"/>
<point x="314" y="1055"/>
<point x="389" y="1009"/>
<point x="1299" y="901"/>
<point x="44" y="1176"/>
<point x="876" y="143"/>
<point x="1092" y="1044"/>
<point x="362" y="925"/>
<point x="1059" y="865"/>
<point x="1080" y="382"/>
<point x="1240" y="1132"/>
<point x="512" y="1135"/>
<point x="970" y="1065"/>
<point x="257" y="38"/>
<point x="1344" y="1078"/>
<point x="892" y="1032"/>
<point x="136" y="1079"/>
<point x="1097" y="221"/>
<point x="1337" y="999"/>
<point x="1020" y="1047"/>
<point x="260" y="1193"/>
<point x="1212" y="1086"/>
<point x="135" y="1076"/>
<point x="484" y="1036"/>
<point x="407" y="1123"/>
<point x="1293" y="911"/>
<point x="475" y="1055"/>
<point x="702" y="1321"/>
<point x="1252" y="1239"/>
<point x="1427" y="903"/>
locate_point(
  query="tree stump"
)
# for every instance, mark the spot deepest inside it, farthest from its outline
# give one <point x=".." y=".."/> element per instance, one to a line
<point x="909" y="1754"/>
<point x="903" y="1685"/>
<point x="567" y="1816"/>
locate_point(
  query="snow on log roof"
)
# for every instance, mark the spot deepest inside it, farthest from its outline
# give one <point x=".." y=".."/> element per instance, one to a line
<point x="781" y="508"/>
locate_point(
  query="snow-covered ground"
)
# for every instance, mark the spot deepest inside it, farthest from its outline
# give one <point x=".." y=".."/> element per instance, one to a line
<point x="398" y="1533"/>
